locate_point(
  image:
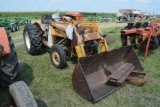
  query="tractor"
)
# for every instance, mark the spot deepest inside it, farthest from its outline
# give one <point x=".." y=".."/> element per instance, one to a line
<point x="20" y="94"/>
<point x="67" y="34"/>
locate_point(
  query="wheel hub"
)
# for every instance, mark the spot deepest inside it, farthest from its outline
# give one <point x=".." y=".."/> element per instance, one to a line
<point x="55" y="58"/>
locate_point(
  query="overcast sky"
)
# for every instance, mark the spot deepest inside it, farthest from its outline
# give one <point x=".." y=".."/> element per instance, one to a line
<point x="149" y="6"/>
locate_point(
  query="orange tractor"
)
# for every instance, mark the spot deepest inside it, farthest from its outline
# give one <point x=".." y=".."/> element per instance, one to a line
<point x="20" y="94"/>
<point x="146" y="34"/>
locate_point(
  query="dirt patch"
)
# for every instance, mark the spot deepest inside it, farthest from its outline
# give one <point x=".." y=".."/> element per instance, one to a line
<point x="111" y="24"/>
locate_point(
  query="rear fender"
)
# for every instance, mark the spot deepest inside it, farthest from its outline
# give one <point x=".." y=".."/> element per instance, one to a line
<point x="4" y="42"/>
<point x="40" y="28"/>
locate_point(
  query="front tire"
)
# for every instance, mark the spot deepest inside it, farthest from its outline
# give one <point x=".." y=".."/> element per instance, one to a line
<point x="21" y="95"/>
<point x="32" y="39"/>
<point x="58" y="56"/>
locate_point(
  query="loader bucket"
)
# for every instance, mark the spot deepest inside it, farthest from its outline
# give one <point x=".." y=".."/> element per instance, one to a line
<point x="91" y="74"/>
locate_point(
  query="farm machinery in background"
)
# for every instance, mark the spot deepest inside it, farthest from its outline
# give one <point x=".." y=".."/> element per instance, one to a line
<point x="20" y="94"/>
<point x="147" y="35"/>
<point x="126" y="17"/>
<point x="98" y="72"/>
<point x="11" y="26"/>
<point x="132" y="15"/>
<point x="21" y="20"/>
<point x="100" y="18"/>
<point x="94" y="18"/>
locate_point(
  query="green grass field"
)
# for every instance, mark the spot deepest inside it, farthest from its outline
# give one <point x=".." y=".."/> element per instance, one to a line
<point x="53" y="87"/>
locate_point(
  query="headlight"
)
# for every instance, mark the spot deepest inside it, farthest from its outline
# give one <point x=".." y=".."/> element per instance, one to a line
<point x="1" y="48"/>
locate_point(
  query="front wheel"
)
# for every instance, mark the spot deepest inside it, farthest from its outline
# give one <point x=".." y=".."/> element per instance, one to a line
<point x="58" y="56"/>
<point x="21" y="95"/>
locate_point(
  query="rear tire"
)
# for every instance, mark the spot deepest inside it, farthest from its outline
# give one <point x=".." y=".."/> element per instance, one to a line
<point x="21" y="95"/>
<point x="58" y="56"/>
<point x="9" y="67"/>
<point x="32" y="39"/>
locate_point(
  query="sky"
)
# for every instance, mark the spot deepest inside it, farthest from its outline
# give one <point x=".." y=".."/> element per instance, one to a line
<point x="112" y="6"/>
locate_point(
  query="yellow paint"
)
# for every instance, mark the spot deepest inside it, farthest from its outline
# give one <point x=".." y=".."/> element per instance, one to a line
<point x="80" y="51"/>
<point x="59" y="28"/>
<point x="103" y="46"/>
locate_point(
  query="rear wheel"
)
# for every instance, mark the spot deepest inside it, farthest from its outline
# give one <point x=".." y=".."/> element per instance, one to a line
<point x="9" y="67"/>
<point x="21" y="96"/>
<point x="58" y="56"/>
<point x="32" y="39"/>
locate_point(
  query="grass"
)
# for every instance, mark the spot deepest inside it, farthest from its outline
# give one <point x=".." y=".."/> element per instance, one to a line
<point x="53" y="87"/>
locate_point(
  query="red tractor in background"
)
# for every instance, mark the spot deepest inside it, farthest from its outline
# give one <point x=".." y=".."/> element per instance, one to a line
<point x="19" y="92"/>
